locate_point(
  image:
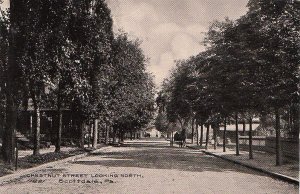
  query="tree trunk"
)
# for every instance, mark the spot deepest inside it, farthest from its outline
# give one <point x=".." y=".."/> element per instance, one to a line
<point x="244" y="127"/>
<point x="237" y="139"/>
<point x="197" y="131"/>
<point x="172" y="138"/>
<point x="224" y="135"/>
<point x="201" y="135"/>
<point x="107" y="135"/>
<point x="250" y="139"/>
<point x="81" y="133"/>
<point x="122" y="136"/>
<point x="95" y="134"/>
<point x="278" y="139"/>
<point x="207" y="137"/>
<point x="31" y="124"/>
<point x="2" y="124"/>
<point x="59" y="130"/>
<point x="92" y="131"/>
<point x="184" y="132"/>
<point x="103" y="131"/>
<point x="59" y="116"/>
<point x="215" y="137"/>
<point x="114" y="135"/>
<point x="8" y="147"/>
<point x="89" y="136"/>
<point x="37" y="131"/>
<point x="296" y="120"/>
<point x="193" y="130"/>
<point x="289" y="112"/>
<point x="9" y="135"/>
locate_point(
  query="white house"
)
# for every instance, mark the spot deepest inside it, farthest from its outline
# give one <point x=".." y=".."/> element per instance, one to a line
<point x="152" y="132"/>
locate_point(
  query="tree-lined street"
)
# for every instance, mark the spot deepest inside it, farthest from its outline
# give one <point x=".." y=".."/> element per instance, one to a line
<point x="61" y="61"/>
<point x="153" y="169"/>
<point x="69" y="80"/>
<point x="249" y="70"/>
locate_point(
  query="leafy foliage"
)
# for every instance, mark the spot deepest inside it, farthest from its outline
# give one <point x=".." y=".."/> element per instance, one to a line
<point x="65" y="56"/>
<point x="133" y="89"/>
<point x="250" y="66"/>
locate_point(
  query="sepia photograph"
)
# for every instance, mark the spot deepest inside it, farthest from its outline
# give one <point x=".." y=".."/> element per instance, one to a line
<point x="149" y="96"/>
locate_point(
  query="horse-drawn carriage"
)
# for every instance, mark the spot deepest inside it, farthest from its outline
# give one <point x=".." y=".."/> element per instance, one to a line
<point x="180" y="138"/>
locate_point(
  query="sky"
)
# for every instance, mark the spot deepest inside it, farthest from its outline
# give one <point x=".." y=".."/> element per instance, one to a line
<point x="170" y="29"/>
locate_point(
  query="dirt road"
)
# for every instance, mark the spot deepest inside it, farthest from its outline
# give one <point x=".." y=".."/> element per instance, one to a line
<point x="146" y="168"/>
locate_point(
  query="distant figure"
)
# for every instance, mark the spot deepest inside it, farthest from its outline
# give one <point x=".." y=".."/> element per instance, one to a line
<point x="180" y="138"/>
<point x="183" y="139"/>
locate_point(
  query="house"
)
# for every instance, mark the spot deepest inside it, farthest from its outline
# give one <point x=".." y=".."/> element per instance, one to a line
<point x="151" y="132"/>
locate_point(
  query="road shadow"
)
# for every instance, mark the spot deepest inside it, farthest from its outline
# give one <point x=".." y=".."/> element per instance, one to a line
<point x="163" y="157"/>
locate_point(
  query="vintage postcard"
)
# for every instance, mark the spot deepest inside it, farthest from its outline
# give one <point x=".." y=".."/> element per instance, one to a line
<point x="149" y="96"/>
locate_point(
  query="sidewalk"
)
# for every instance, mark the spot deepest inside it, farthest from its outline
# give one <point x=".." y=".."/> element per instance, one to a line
<point x="263" y="162"/>
<point x="18" y="173"/>
<point x="23" y="153"/>
<point x="47" y="155"/>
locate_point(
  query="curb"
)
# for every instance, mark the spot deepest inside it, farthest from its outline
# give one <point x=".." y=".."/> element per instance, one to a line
<point x="20" y="172"/>
<point x="269" y="173"/>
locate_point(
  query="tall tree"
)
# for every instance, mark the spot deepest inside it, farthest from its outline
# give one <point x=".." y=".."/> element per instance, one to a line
<point x="133" y="89"/>
<point x="90" y="70"/>
<point x="4" y="26"/>
<point x="13" y="77"/>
